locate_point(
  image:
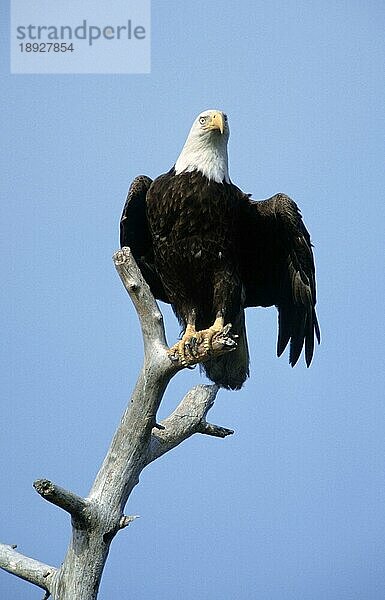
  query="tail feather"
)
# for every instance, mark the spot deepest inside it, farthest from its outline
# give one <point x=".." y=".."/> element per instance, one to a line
<point x="231" y="370"/>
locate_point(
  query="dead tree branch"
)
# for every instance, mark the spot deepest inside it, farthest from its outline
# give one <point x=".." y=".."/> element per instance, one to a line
<point x="26" y="568"/>
<point x="75" y="505"/>
<point x="138" y="441"/>
<point x="188" y="418"/>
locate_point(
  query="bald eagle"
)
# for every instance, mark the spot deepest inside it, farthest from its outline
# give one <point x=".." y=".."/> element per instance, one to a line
<point x="211" y="251"/>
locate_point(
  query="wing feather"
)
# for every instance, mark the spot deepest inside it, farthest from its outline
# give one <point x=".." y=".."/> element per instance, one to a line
<point x="278" y="269"/>
<point x="135" y="233"/>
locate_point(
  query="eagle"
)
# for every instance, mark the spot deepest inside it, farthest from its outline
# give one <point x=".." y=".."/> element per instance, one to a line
<point x="210" y="251"/>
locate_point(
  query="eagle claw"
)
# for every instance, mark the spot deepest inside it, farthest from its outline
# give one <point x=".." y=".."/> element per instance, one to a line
<point x="198" y="346"/>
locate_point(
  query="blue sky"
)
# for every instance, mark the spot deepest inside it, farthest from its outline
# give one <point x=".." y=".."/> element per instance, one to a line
<point x="292" y="506"/>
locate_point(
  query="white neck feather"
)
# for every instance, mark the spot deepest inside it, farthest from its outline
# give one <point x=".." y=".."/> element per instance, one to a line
<point x="207" y="154"/>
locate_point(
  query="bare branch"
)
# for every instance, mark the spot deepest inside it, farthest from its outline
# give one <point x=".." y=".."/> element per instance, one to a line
<point x="26" y="568"/>
<point x="68" y="501"/>
<point x="150" y="317"/>
<point x="188" y="418"/>
<point x="126" y="520"/>
<point x="214" y="430"/>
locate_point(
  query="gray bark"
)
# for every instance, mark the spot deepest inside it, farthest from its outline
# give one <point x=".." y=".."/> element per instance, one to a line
<point x="138" y="441"/>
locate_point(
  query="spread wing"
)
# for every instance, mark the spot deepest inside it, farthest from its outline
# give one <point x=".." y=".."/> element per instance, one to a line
<point x="277" y="268"/>
<point x="135" y="233"/>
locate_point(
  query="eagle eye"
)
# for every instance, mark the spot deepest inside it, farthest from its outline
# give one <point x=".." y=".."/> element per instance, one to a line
<point x="202" y="120"/>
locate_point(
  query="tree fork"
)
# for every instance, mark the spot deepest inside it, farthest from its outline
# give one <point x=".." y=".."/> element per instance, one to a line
<point x="138" y="441"/>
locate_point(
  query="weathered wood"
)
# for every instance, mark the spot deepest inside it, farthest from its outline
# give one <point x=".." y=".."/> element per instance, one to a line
<point x="76" y="506"/>
<point x="138" y="440"/>
<point x="188" y="418"/>
<point x="26" y="568"/>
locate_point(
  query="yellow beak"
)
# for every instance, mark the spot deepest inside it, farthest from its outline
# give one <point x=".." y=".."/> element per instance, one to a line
<point x="217" y="122"/>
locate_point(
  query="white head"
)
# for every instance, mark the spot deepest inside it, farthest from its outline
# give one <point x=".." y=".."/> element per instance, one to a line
<point x="205" y="149"/>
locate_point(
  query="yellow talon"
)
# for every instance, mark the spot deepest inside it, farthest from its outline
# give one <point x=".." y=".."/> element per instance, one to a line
<point x="209" y="333"/>
<point x="186" y="351"/>
<point x="183" y="349"/>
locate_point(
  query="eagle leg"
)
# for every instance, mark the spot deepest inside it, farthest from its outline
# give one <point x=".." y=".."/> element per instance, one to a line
<point x="186" y="350"/>
<point x="198" y="346"/>
<point x="207" y="335"/>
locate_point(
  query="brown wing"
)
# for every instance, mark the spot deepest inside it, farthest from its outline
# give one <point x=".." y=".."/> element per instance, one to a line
<point x="135" y="233"/>
<point x="277" y="268"/>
